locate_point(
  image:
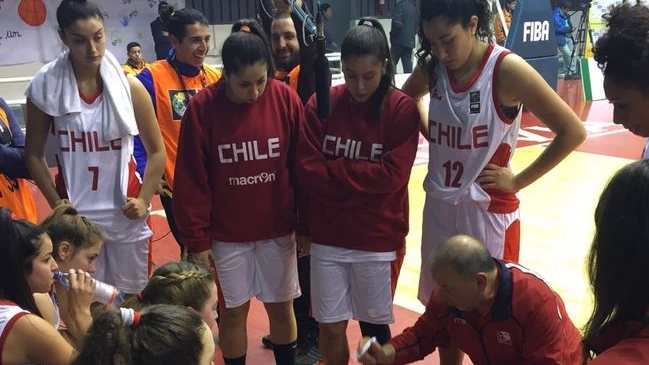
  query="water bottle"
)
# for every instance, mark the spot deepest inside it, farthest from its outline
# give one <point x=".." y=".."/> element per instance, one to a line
<point x="104" y="293"/>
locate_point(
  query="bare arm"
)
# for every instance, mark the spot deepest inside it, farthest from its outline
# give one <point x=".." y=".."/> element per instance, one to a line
<point x="520" y="83"/>
<point x="150" y="135"/>
<point x="416" y="86"/>
<point x="34" y="341"/>
<point x="38" y="126"/>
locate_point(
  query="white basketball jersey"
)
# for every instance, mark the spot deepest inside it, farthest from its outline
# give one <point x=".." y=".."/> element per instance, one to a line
<point x="8" y="311"/>
<point x="97" y="173"/>
<point x="467" y="130"/>
<point x="645" y="151"/>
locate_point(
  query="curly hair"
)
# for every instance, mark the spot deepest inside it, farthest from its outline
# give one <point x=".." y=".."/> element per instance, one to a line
<point x="456" y="11"/>
<point x="622" y="52"/>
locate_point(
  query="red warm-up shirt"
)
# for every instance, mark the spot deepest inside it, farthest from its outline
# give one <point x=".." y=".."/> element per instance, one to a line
<point x="354" y="169"/>
<point x="234" y="170"/>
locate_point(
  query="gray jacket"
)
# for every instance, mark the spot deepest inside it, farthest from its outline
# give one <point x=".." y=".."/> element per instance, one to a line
<point x="404" y="24"/>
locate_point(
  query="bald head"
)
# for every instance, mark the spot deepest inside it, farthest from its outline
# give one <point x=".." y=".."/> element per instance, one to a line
<point x="465" y="255"/>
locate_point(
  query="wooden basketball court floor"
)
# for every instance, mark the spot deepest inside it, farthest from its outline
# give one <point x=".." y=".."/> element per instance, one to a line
<point x="556" y="218"/>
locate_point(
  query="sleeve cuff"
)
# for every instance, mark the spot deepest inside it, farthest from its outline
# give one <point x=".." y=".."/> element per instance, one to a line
<point x="196" y="245"/>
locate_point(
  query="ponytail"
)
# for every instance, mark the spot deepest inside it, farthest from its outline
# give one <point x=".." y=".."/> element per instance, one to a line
<point x="245" y="46"/>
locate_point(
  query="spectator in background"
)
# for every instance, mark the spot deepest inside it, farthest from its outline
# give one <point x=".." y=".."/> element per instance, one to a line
<point x="402" y="35"/>
<point x="14" y="191"/>
<point x="562" y="31"/>
<point x="135" y="63"/>
<point x="327" y="12"/>
<point x="499" y="30"/>
<point x="159" y="31"/>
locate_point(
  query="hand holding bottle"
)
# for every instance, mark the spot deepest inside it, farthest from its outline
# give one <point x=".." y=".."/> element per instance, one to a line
<point x="100" y="292"/>
<point x="75" y="301"/>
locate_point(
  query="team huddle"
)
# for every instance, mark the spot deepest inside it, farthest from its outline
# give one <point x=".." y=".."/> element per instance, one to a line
<point x="270" y="199"/>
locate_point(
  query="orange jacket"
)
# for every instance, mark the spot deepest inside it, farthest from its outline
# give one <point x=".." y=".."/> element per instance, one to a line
<point x="14" y="192"/>
<point x="171" y="101"/>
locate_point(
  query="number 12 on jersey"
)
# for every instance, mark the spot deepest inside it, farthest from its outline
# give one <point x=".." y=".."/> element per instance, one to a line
<point x="453" y="171"/>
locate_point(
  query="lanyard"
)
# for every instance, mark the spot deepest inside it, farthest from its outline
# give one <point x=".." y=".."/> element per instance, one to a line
<point x="201" y="72"/>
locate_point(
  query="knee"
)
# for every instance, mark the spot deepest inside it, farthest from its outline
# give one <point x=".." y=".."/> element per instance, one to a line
<point x="233" y="316"/>
<point x="333" y="330"/>
<point x="280" y="311"/>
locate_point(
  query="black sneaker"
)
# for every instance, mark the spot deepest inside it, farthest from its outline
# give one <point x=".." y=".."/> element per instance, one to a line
<point x="266" y="342"/>
<point x="309" y="355"/>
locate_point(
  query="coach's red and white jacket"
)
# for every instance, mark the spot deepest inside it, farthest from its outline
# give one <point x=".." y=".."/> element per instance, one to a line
<point x="527" y="325"/>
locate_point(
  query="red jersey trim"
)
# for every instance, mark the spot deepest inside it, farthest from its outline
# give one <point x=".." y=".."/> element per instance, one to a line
<point x="460" y="89"/>
<point x="496" y="86"/>
<point x="502" y="202"/>
<point x="93" y="98"/>
<point x="8" y="328"/>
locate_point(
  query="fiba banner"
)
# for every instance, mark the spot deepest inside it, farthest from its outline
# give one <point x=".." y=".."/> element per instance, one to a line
<point x="29" y="32"/>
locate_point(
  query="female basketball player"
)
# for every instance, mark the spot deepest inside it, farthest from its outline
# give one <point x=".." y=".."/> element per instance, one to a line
<point x="159" y="335"/>
<point x="234" y="191"/>
<point x="183" y="283"/>
<point x="76" y="243"/>
<point x="617" y="331"/>
<point x="26" y="268"/>
<point x="621" y="53"/>
<point x="477" y="90"/>
<point x="91" y="111"/>
<point x="355" y="166"/>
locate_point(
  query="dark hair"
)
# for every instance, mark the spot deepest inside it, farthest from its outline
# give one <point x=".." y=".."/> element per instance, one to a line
<point x="163" y="6"/>
<point x="21" y="241"/>
<point x="324" y="7"/>
<point x="619" y="256"/>
<point x="131" y="45"/>
<point x="368" y="39"/>
<point x="180" y="19"/>
<point x="246" y="47"/>
<point x="69" y="11"/>
<point x="622" y="52"/>
<point x="455" y="11"/>
<point x="180" y="283"/>
<point x="164" y="12"/>
<point x="164" y="335"/>
<point x="281" y="15"/>
<point x="66" y="224"/>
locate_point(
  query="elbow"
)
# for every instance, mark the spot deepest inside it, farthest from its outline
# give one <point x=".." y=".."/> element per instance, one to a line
<point x="579" y="135"/>
<point x="582" y="135"/>
<point x="573" y="137"/>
